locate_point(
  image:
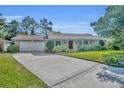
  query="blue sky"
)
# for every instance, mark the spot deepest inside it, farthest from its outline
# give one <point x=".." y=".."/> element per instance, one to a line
<point x="67" y="19"/>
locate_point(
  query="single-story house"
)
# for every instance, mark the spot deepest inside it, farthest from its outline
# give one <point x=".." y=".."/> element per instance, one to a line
<point x="4" y="44"/>
<point x="38" y="42"/>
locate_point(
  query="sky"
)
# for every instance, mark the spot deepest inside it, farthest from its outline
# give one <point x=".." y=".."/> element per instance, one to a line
<point x="67" y="19"/>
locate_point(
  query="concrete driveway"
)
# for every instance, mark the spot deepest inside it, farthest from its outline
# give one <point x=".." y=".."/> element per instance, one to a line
<point x="62" y="71"/>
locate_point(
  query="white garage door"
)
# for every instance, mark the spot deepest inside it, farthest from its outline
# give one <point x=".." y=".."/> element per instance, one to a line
<point x="32" y="46"/>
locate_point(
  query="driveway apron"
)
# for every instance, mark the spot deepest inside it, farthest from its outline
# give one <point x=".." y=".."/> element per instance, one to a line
<point x="53" y="69"/>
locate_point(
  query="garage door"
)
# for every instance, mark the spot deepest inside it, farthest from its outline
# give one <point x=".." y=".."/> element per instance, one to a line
<point x="32" y="46"/>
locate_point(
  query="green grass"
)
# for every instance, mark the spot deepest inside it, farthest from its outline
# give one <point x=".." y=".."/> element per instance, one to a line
<point x="94" y="55"/>
<point x="14" y="75"/>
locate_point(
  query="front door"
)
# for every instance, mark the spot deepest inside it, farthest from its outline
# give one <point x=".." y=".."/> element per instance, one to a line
<point x="70" y="44"/>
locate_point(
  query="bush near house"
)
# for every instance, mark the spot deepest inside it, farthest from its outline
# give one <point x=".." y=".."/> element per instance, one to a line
<point x="91" y="48"/>
<point x="60" y="48"/>
<point x="49" y="46"/>
<point x="13" y="48"/>
<point x="102" y="42"/>
<point x="111" y="45"/>
<point x="107" y="57"/>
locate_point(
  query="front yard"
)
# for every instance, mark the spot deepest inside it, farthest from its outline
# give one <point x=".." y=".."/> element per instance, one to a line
<point x="97" y="56"/>
<point x="14" y="75"/>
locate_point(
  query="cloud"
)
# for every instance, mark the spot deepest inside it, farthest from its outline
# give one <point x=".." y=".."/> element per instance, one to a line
<point x="10" y="18"/>
<point x="83" y="23"/>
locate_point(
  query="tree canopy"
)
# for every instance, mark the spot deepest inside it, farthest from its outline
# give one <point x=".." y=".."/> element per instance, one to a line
<point x="28" y="25"/>
<point x="46" y="25"/>
<point x="13" y="27"/>
<point x="110" y="24"/>
<point x="2" y="21"/>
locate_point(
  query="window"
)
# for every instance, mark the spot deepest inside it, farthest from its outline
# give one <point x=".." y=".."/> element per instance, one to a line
<point x="91" y="42"/>
<point x="85" y="42"/>
<point x="58" y="43"/>
<point x="65" y="42"/>
<point x="80" y="43"/>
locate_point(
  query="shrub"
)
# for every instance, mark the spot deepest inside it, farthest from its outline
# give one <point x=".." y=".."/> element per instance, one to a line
<point x="113" y="59"/>
<point x="122" y="45"/>
<point x="109" y="45"/>
<point x="60" y="48"/>
<point x="0" y="49"/>
<point x="91" y="48"/>
<point x="96" y="47"/>
<point x="13" y="48"/>
<point x="112" y="45"/>
<point x="84" y="48"/>
<point x="102" y="43"/>
<point x="49" y="46"/>
<point x="46" y="49"/>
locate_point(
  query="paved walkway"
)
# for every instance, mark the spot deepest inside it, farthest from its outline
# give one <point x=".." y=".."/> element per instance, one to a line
<point x="61" y="71"/>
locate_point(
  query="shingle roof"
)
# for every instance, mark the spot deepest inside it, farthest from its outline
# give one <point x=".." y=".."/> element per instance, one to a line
<point x="55" y="35"/>
<point x="29" y="37"/>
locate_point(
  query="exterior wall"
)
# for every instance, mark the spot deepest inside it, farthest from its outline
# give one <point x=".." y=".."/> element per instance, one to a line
<point x="31" y="46"/>
<point x="40" y="45"/>
<point x="90" y="42"/>
<point x="6" y="45"/>
<point x="17" y="43"/>
<point x="76" y="43"/>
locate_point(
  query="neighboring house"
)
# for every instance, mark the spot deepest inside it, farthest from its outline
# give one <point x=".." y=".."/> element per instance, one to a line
<point x="38" y="42"/>
<point x="4" y="44"/>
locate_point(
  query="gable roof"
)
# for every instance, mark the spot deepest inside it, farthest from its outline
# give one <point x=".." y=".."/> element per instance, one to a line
<point x="29" y="37"/>
<point x="55" y="35"/>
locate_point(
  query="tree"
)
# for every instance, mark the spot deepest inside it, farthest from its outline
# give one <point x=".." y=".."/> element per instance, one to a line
<point x="3" y="34"/>
<point x="2" y="21"/>
<point x="33" y="26"/>
<point x="29" y="25"/>
<point x="111" y="24"/>
<point x="13" y="27"/>
<point x="46" y="26"/>
<point x="101" y="43"/>
<point x="50" y="45"/>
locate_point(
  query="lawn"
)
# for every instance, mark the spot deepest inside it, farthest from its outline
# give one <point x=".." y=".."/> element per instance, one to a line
<point x="94" y="55"/>
<point x="14" y="75"/>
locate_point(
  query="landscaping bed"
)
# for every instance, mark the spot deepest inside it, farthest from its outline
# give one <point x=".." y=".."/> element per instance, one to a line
<point x="107" y="57"/>
<point x="14" y="75"/>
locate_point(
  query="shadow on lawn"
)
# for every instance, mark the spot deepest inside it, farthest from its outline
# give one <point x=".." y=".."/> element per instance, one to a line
<point x="105" y="76"/>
